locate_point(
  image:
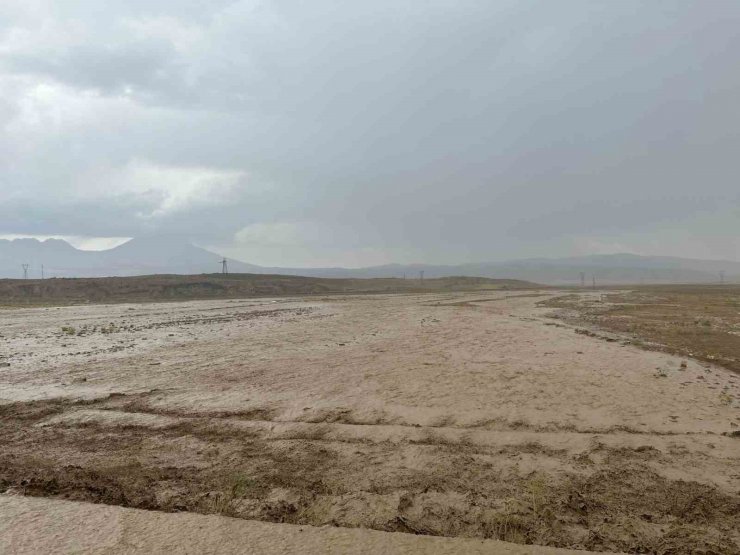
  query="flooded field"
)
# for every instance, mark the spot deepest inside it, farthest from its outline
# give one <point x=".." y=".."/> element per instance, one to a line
<point x="470" y="415"/>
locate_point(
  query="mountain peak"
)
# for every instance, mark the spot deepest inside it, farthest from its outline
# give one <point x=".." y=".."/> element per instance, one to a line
<point x="34" y="243"/>
<point x="155" y="240"/>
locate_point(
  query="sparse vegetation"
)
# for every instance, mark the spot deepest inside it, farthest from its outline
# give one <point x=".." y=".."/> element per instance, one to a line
<point x="224" y="502"/>
<point x="109" y="328"/>
<point x="701" y="322"/>
<point x="725" y="398"/>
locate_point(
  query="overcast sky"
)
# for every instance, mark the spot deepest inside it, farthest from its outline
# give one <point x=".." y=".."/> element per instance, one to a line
<point x="356" y="133"/>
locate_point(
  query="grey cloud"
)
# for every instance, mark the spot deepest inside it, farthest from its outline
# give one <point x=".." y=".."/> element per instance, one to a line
<point x="116" y="216"/>
<point x="107" y="69"/>
<point x="448" y="131"/>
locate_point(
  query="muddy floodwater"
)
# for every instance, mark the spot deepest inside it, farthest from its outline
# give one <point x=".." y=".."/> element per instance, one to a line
<point x="458" y="415"/>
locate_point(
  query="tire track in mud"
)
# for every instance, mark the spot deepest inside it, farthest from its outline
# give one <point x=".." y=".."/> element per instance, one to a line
<point x="423" y="481"/>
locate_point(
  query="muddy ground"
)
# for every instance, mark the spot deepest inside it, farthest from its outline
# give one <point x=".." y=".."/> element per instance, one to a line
<point x="470" y="415"/>
<point x="698" y="321"/>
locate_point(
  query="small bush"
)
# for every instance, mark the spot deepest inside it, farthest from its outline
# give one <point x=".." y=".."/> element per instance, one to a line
<point x="726" y="398"/>
<point x="110" y="328"/>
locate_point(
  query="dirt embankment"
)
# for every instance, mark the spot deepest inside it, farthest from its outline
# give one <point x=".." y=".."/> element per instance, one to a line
<point x="52" y="527"/>
<point x="15" y="292"/>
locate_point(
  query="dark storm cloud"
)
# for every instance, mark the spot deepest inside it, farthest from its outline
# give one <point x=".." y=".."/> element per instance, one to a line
<point x="290" y="132"/>
<point x="108" y="69"/>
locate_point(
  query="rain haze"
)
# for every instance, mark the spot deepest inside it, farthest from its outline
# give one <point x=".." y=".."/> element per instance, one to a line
<point x="361" y="133"/>
<point x="357" y="277"/>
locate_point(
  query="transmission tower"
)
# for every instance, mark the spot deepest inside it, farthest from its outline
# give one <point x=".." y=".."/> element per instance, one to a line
<point x="593" y="282"/>
<point x="421" y="276"/>
<point x="583" y="279"/>
<point x="25" y="270"/>
<point x="722" y="276"/>
<point x="42" y="271"/>
<point x="224" y="266"/>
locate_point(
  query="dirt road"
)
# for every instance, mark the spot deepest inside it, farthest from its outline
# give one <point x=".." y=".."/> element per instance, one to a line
<point x="448" y="415"/>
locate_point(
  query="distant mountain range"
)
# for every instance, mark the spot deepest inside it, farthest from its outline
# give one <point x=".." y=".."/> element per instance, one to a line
<point x="170" y="255"/>
<point x="150" y="255"/>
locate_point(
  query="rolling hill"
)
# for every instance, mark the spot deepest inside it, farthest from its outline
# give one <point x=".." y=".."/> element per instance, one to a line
<point x="173" y="255"/>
